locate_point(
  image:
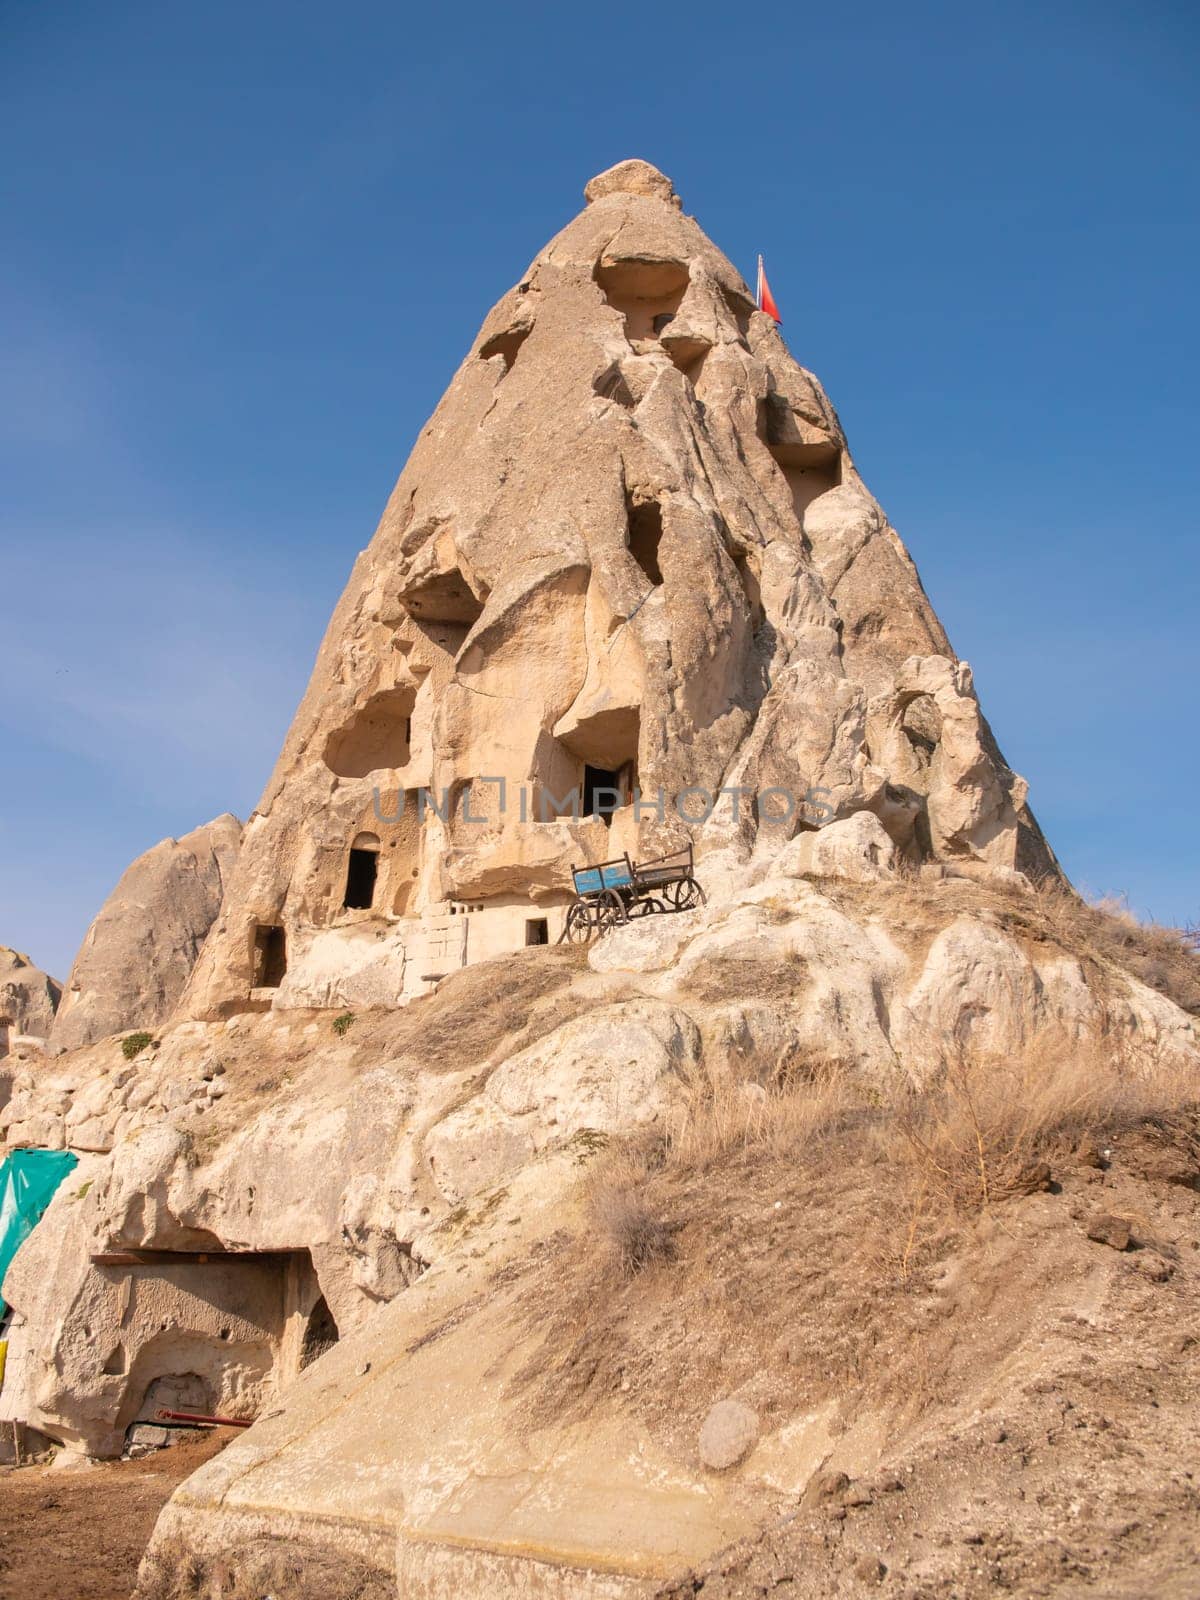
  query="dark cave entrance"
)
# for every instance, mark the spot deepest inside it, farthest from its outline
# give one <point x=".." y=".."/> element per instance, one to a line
<point x="320" y="1333"/>
<point x="362" y="871"/>
<point x="602" y="794"/>
<point x="270" y="956"/>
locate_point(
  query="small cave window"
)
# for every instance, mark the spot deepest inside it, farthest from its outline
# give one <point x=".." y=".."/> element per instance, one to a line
<point x="506" y="345"/>
<point x="644" y="291"/>
<point x="444" y="597"/>
<point x="270" y="956"/>
<point x="362" y="871"/>
<point x="602" y="793"/>
<point x="375" y="738"/>
<point x="537" y="930"/>
<point x="320" y="1334"/>
<point x="645" y="535"/>
<point x="810" y="468"/>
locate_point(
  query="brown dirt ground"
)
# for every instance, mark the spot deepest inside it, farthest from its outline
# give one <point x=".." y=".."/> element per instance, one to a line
<point x="79" y="1535"/>
<point x="1037" y="1387"/>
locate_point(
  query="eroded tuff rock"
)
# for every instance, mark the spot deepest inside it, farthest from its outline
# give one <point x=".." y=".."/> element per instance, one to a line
<point x="361" y="1162"/>
<point x="631" y="539"/>
<point x="28" y="998"/>
<point x="631" y="547"/>
<point x="139" y="952"/>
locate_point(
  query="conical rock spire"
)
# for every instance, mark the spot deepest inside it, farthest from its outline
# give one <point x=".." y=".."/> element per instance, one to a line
<point x="631" y="542"/>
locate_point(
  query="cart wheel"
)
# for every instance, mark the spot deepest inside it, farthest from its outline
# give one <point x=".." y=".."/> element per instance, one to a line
<point x="610" y="911"/>
<point x="646" y="907"/>
<point x="578" y="929"/>
<point x="685" y="895"/>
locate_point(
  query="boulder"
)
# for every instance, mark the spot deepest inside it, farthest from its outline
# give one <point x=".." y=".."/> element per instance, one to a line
<point x="612" y="1070"/>
<point x="140" y="950"/>
<point x="728" y="1434"/>
<point x="29" y="998"/>
<point x="1113" y="1231"/>
<point x="856" y="847"/>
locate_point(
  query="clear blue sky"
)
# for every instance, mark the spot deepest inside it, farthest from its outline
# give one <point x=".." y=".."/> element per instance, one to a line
<point x="247" y="245"/>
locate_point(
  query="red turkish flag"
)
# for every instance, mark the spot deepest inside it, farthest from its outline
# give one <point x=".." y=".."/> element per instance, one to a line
<point x="766" y="300"/>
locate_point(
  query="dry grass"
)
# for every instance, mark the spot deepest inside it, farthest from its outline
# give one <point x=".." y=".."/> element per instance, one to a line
<point x="480" y="1009"/>
<point x="768" y="978"/>
<point x="631" y="1230"/>
<point x="984" y="1130"/>
<point x="265" y="1567"/>
<point x="812" y="1213"/>
<point x="1105" y="935"/>
<point x="969" y="1135"/>
<point x="1165" y="959"/>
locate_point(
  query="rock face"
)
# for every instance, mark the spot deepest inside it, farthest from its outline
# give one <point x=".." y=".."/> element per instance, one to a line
<point x="344" y="1170"/>
<point x="630" y="543"/>
<point x="630" y="555"/>
<point x="729" y="1433"/>
<point x="28" y="998"/>
<point x="139" y="952"/>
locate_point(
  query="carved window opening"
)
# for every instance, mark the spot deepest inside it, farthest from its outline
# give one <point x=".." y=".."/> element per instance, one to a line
<point x="646" y="293"/>
<point x="320" y="1334"/>
<point x="376" y="738"/>
<point x="362" y="873"/>
<point x="602" y="793"/>
<point x="810" y="467"/>
<point x="270" y="956"/>
<point x="537" y="930"/>
<point x="443" y="597"/>
<point x="645" y="535"/>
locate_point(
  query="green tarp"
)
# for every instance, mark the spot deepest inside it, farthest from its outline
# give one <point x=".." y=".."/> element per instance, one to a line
<point x="28" y="1179"/>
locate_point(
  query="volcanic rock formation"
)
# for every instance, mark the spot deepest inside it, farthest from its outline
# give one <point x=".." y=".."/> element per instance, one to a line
<point x="139" y="952"/>
<point x="630" y="552"/>
<point x="342" y="1189"/>
<point x="28" y="998"/>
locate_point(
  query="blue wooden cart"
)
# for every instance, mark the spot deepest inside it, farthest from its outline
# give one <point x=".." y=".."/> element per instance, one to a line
<point x="615" y="892"/>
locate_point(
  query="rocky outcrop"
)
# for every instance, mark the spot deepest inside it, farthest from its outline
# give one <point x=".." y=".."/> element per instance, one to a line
<point x="407" y="1141"/>
<point x="28" y="998"/>
<point x="139" y="952"/>
<point x="630" y="553"/>
<point x="630" y="546"/>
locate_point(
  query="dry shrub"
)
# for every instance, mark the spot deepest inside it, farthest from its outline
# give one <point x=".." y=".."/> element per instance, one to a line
<point x="170" y="1571"/>
<point x="1104" y="935"/>
<point x="1165" y="959"/>
<point x="967" y="1135"/>
<point x="721" y="1112"/>
<point x="985" y="1128"/>
<point x="812" y="1215"/>
<point x="264" y="1567"/>
<point x="634" y="1234"/>
<point x="954" y="1139"/>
